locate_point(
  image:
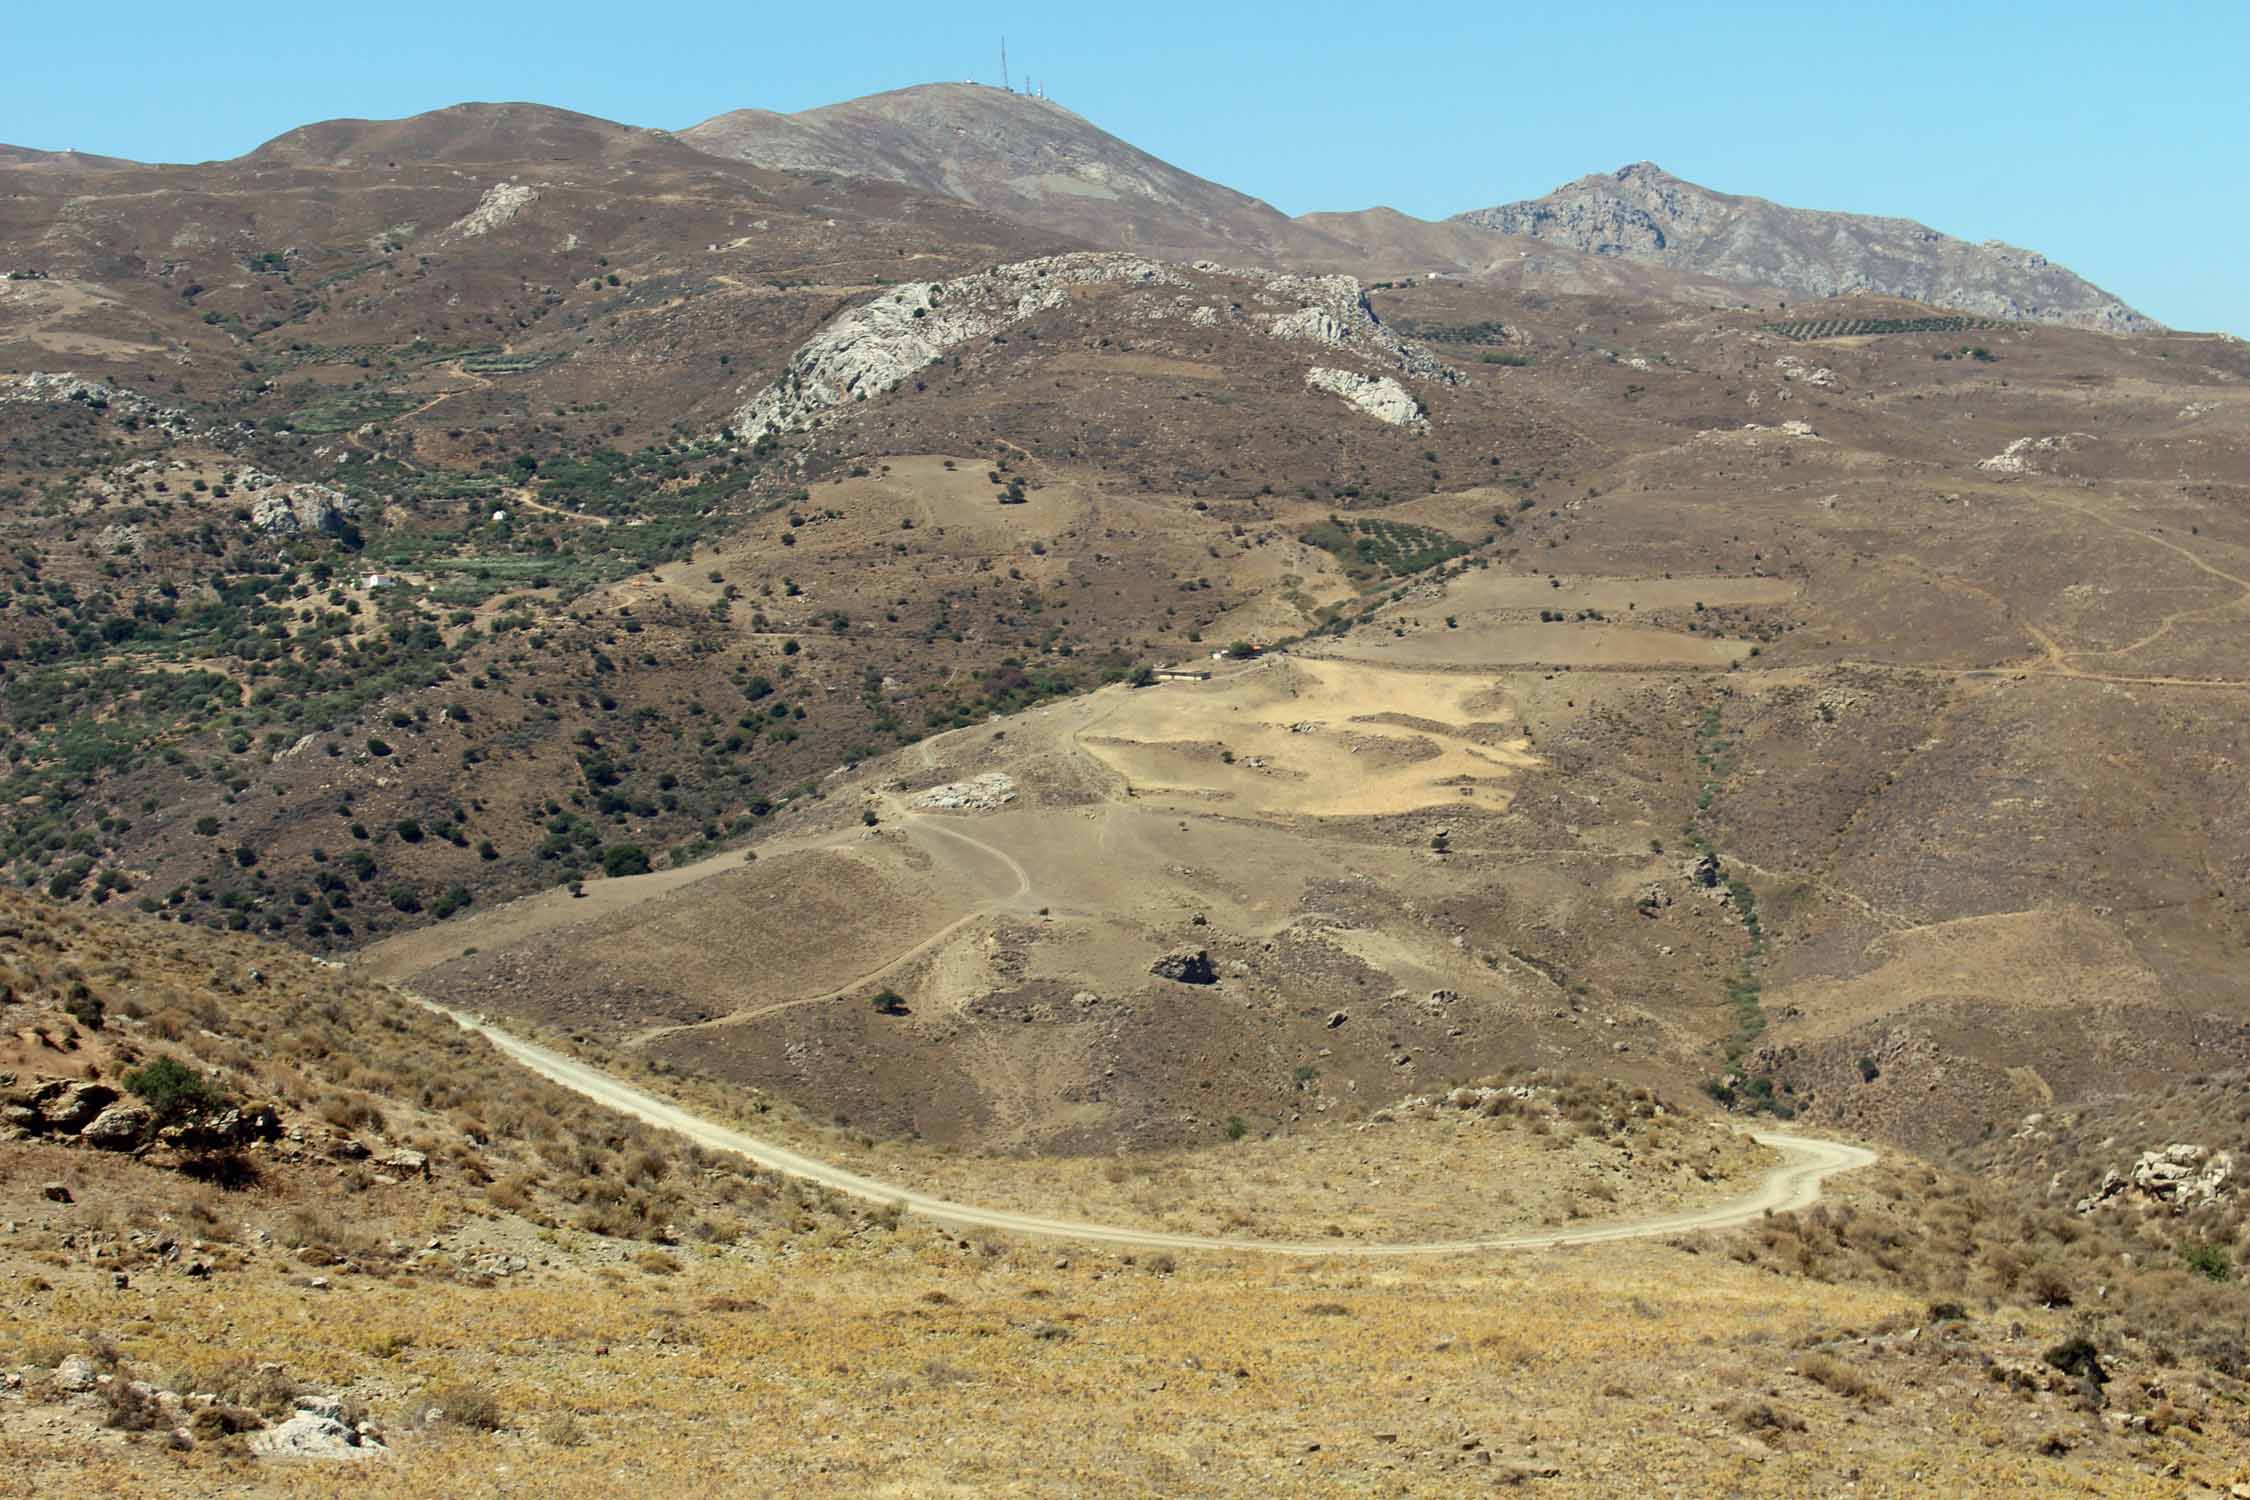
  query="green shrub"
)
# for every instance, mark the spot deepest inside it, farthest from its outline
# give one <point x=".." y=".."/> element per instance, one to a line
<point x="2210" y="1261"/>
<point x="174" y="1091"/>
<point x="625" y="859"/>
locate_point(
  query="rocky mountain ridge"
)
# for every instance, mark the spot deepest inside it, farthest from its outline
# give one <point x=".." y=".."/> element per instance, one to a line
<point x="1637" y="231"/>
<point x="1641" y="212"/>
<point x="1034" y="161"/>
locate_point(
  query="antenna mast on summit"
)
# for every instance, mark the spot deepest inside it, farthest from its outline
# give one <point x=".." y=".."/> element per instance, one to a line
<point x="1004" y="65"/>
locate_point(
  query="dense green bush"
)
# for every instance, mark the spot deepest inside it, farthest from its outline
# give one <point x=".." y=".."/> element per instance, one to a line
<point x="173" y="1090"/>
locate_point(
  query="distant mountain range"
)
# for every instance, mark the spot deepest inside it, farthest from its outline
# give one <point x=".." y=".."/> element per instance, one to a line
<point x="1032" y="160"/>
<point x="1636" y="231"/>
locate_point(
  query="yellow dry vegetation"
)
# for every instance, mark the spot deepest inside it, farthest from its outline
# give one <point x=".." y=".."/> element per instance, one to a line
<point x="1480" y="589"/>
<point x="1442" y="1174"/>
<point x="911" y="1366"/>
<point x="1428" y="643"/>
<point x="619" y="1311"/>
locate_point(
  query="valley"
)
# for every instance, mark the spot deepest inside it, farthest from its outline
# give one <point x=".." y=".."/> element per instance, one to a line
<point x="895" y="800"/>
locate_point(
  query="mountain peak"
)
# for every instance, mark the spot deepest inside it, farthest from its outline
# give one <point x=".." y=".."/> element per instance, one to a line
<point x="1020" y="155"/>
<point x="1641" y="212"/>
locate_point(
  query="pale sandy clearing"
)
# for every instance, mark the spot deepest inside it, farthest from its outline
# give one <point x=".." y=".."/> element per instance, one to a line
<point x="1328" y="738"/>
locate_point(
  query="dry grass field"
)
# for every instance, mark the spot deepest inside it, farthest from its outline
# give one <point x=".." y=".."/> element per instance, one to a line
<point x="916" y="1368"/>
<point x="545" y="1290"/>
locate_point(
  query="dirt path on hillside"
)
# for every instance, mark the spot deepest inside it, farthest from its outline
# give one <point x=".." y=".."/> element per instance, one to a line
<point x="1792" y="1186"/>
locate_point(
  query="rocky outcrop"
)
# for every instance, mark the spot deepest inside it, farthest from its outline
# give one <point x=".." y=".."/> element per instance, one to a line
<point x="406" y="1164"/>
<point x="870" y="349"/>
<point x="313" y="1435"/>
<point x="1334" y="311"/>
<point x="1643" y="213"/>
<point x="226" y="1130"/>
<point x="979" y="793"/>
<point x="1378" y="396"/>
<point x="501" y="202"/>
<point x="120" y="1127"/>
<point x="42" y="386"/>
<point x="1186" y="966"/>
<point x="95" y="1114"/>
<point x="283" y="509"/>
<point x="2022" y="456"/>
<point x="2179" y="1178"/>
<point x="60" y="1106"/>
<point x="1792" y="369"/>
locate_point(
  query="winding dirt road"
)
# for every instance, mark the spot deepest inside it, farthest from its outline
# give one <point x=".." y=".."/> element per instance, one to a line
<point x="1795" y="1184"/>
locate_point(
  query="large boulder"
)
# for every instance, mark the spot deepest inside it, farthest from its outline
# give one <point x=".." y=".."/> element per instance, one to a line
<point x="1186" y="966"/>
<point x="2183" y="1176"/>
<point x="283" y="509"/>
<point x="121" y="1127"/>
<point x="407" y="1164"/>
<point x="1379" y="396"/>
<point x="314" y="1436"/>
<point x="224" y="1131"/>
<point x="57" y="1104"/>
<point x="76" y="1106"/>
<point x="2179" y="1177"/>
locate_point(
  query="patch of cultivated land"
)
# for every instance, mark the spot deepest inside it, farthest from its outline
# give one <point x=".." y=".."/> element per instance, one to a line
<point x="1314" y="737"/>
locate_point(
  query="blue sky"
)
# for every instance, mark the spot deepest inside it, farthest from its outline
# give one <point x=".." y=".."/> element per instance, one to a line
<point x="2109" y="137"/>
